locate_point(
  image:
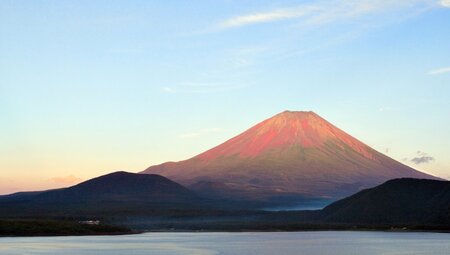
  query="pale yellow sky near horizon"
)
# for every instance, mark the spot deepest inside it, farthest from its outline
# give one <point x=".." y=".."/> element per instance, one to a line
<point x="48" y="171"/>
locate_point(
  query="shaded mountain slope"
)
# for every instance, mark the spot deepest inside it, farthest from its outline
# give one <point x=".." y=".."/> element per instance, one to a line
<point x="399" y="201"/>
<point x="122" y="186"/>
<point x="399" y="204"/>
<point x="412" y="203"/>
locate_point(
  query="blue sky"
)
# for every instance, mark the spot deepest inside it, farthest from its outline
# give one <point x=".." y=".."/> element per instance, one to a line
<point x="89" y="87"/>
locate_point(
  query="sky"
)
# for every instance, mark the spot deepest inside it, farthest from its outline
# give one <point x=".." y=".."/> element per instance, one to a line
<point x="91" y="87"/>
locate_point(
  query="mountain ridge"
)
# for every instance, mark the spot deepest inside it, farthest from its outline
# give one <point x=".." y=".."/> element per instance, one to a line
<point x="115" y="193"/>
<point x="122" y="186"/>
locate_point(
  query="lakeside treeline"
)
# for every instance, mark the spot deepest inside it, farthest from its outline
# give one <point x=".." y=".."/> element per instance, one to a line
<point x="54" y="227"/>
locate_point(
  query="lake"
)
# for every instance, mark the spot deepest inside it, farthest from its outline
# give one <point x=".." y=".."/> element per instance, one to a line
<point x="261" y="243"/>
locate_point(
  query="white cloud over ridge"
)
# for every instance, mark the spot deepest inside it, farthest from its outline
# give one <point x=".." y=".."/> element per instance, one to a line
<point x="422" y="158"/>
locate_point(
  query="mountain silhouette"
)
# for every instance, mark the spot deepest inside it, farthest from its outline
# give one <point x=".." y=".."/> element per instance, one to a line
<point x="122" y="186"/>
<point x="118" y="193"/>
<point x="399" y="201"/>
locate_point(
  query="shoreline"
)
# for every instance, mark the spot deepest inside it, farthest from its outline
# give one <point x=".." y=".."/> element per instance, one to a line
<point x="52" y="227"/>
<point x="165" y="231"/>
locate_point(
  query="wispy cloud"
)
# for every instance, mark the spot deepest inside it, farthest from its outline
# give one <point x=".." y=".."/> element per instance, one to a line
<point x="201" y="87"/>
<point x="440" y="70"/>
<point x="326" y="11"/>
<point x="445" y="3"/>
<point x="422" y="158"/>
<point x="274" y="15"/>
<point x="201" y="132"/>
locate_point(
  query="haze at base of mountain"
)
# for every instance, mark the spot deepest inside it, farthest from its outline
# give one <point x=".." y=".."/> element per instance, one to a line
<point x="401" y="203"/>
<point x="292" y="154"/>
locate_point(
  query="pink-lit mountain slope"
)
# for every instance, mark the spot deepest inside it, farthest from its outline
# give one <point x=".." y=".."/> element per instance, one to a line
<point x="290" y="154"/>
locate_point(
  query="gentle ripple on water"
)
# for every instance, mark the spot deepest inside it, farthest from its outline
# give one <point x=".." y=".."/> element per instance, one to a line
<point x="263" y="243"/>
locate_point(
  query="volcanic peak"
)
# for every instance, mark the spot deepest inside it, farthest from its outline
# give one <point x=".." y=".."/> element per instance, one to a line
<point x="290" y="153"/>
<point x="282" y="132"/>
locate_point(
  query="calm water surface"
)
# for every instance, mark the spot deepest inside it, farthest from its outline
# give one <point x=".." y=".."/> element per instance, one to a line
<point x="282" y="243"/>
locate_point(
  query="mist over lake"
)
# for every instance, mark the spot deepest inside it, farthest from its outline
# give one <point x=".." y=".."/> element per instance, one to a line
<point x="263" y="243"/>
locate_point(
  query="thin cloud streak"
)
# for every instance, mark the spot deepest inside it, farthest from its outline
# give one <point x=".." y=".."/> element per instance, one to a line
<point x="439" y="71"/>
<point x="275" y="15"/>
<point x="326" y="11"/>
